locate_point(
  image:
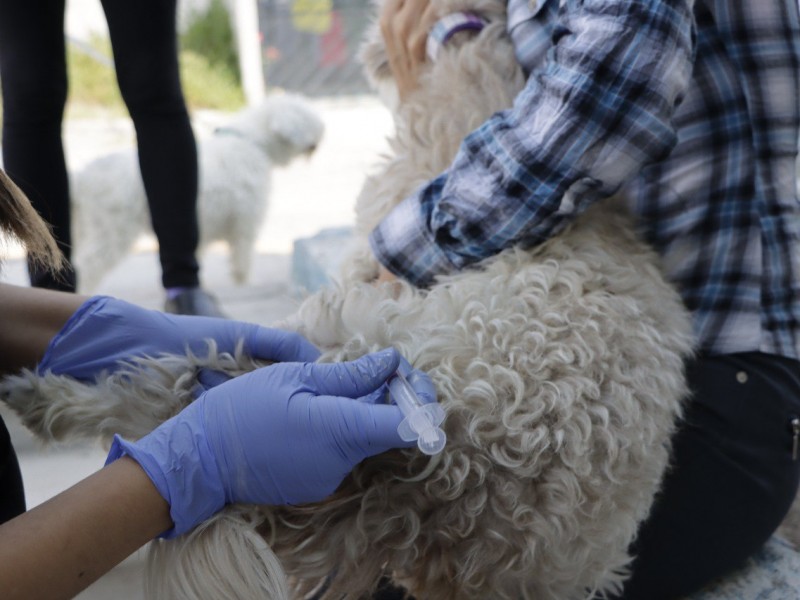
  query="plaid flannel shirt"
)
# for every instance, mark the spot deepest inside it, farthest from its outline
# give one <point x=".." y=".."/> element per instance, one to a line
<point x="691" y="109"/>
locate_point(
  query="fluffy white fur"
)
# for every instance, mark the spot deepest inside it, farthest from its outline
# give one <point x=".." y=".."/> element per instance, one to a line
<point x="560" y="370"/>
<point x="235" y="164"/>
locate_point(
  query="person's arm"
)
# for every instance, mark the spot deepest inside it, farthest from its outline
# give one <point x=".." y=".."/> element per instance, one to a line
<point x="62" y="546"/>
<point x="587" y="121"/>
<point x="73" y="335"/>
<point x="31" y="318"/>
<point x="284" y="434"/>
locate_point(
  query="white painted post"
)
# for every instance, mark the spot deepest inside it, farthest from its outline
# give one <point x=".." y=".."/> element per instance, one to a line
<point x="245" y="23"/>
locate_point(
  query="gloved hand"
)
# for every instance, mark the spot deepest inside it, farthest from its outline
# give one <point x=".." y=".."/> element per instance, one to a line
<point x="105" y="331"/>
<point x="284" y="434"/>
<point x="422" y="384"/>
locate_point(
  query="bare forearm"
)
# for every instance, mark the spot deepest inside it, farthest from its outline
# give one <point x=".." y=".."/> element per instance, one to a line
<point x="30" y="318"/>
<point x="62" y="546"/>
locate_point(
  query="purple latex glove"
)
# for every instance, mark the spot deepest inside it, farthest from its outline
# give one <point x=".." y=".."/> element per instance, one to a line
<point x="285" y="434"/>
<point x="422" y="384"/>
<point x="105" y="331"/>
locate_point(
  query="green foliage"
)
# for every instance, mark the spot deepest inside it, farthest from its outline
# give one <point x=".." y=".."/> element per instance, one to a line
<point x="92" y="84"/>
<point x="209" y="86"/>
<point x="211" y="36"/>
<point x="209" y="69"/>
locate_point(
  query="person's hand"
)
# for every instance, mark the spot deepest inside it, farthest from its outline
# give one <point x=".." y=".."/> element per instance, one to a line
<point x="404" y="26"/>
<point x="385" y="275"/>
<point x="284" y="434"/>
<point x="387" y="278"/>
<point x="104" y="332"/>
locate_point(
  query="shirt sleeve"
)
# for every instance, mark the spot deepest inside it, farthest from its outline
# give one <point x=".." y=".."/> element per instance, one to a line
<point x="587" y="121"/>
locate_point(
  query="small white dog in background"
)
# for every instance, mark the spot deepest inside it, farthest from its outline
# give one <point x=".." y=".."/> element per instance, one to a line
<point x="109" y="205"/>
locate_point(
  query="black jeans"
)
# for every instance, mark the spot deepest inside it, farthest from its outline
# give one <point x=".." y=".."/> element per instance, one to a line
<point x="34" y="81"/>
<point x="12" y="493"/>
<point x="732" y="479"/>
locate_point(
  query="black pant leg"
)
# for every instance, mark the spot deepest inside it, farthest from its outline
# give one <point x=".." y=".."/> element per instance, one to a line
<point x="144" y="41"/>
<point x="33" y="73"/>
<point x="12" y="494"/>
<point x="733" y="476"/>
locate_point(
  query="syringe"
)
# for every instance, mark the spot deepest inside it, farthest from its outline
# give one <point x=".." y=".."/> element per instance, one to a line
<point x="422" y="419"/>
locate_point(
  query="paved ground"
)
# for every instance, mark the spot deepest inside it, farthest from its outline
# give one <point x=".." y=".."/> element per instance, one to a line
<point x="307" y="196"/>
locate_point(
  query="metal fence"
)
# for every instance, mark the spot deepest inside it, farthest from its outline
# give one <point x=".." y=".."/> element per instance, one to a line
<point x="311" y="46"/>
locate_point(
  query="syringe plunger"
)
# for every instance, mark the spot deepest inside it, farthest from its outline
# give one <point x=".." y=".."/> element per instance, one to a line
<point x="422" y="419"/>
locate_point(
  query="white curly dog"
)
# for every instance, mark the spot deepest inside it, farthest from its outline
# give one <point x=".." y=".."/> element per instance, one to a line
<point x="560" y="370"/>
<point x="109" y="204"/>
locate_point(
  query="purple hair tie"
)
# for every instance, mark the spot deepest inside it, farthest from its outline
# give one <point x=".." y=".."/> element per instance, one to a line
<point x="448" y="26"/>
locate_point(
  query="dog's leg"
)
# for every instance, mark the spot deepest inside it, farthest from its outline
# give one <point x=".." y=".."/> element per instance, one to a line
<point x="131" y="402"/>
<point x="106" y="221"/>
<point x="202" y="563"/>
<point x="95" y="262"/>
<point x="241" y="257"/>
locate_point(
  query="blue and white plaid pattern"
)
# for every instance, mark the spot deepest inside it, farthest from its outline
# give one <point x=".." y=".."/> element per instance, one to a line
<point x="713" y="181"/>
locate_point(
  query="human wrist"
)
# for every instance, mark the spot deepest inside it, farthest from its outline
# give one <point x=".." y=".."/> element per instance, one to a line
<point x="31" y="318"/>
<point x="179" y="462"/>
<point x="78" y="318"/>
<point x="153" y="503"/>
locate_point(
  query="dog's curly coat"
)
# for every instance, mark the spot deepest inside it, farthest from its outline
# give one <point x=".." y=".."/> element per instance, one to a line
<point x="560" y="370"/>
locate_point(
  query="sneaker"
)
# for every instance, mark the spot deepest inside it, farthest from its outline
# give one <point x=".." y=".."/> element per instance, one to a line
<point x="194" y="301"/>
